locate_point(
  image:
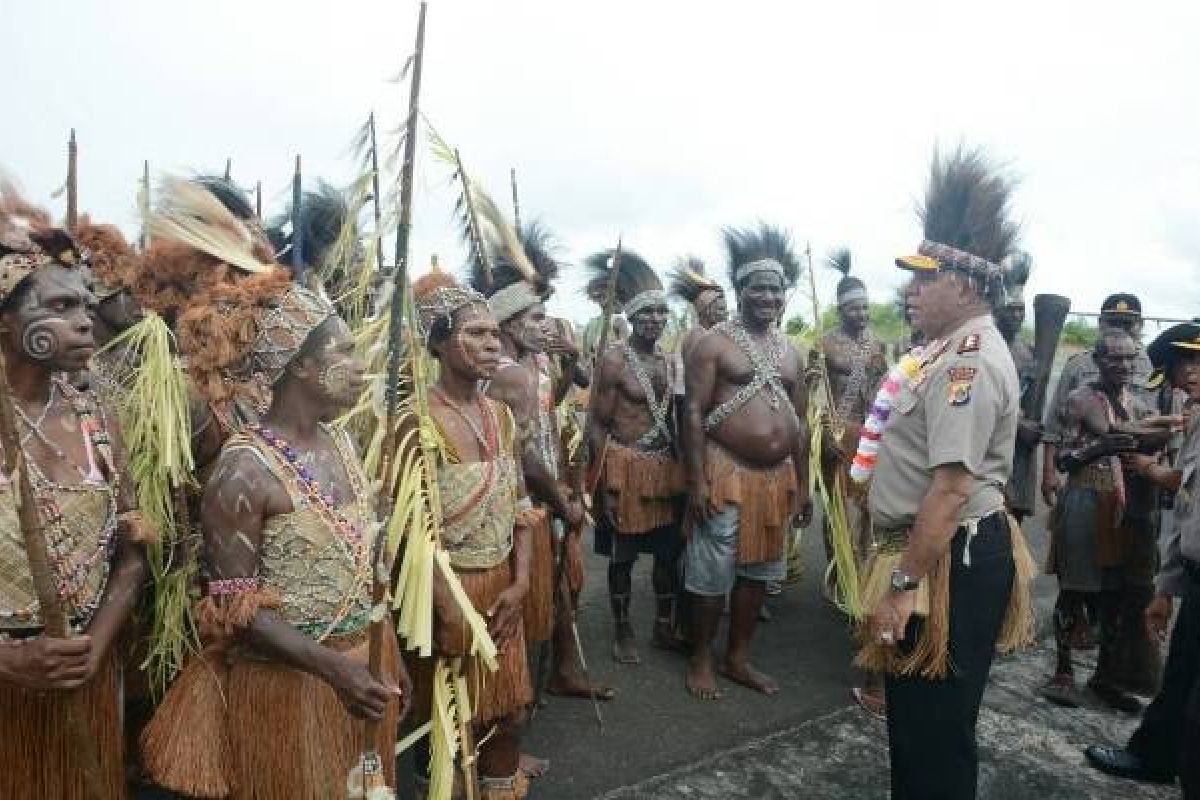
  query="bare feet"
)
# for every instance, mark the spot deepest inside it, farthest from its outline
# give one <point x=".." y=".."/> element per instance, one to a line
<point x="532" y="766"/>
<point x="701" y="681"/>
<point x="666" y="638"/>
<point x="624" y="649"/>
<point x="576" y="686"/>
<point x="747" y="675"/>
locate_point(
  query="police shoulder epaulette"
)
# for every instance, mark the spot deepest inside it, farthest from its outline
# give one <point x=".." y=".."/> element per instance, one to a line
<point x="969" y="344"/>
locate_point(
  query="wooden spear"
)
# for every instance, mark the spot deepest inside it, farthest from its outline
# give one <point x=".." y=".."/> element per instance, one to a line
<point x="377" y="201"/>
<point x="297" y="229"/>
<point x="228" y="169"/>
<point x="258" y="200"/>
<point x="476" y="233"/>
<point x="371" y="759"/>
<point x="54" y="617"/>
<point x="72" y="182"/>
<point x="144" y="202"/>
<point x="516" y="201"/>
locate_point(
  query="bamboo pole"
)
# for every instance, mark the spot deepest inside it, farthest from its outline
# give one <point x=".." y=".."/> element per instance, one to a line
<point x="378" y="201"/>
<point x="298" y="271"/>
<point x="145" y="205"/>
<point x="228" y="169"/>
<point x="258" y="200"/>
<point x="72" y="182"/>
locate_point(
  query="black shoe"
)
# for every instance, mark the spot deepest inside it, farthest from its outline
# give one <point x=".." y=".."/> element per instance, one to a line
<point x="1123" y="764"/>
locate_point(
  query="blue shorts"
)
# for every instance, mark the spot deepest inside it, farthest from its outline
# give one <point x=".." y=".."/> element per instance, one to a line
<point x="710" y="561"/>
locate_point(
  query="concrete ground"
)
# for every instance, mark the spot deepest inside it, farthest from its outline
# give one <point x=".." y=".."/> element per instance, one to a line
<point x="809" y="740"/>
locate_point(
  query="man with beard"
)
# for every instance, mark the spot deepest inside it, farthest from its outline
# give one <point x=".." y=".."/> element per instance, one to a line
<point x="633" y="450"/>
<point x="1103" y="548"/>
<point x="746" y="452"/>
<point x="948" y="582"/>
<point x="1165" y="743"/>
<point x="74" y="458"/>
<point x="1010" y="317"/>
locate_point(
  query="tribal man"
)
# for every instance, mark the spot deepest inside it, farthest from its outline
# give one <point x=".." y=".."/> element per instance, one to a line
<point x="747" y="457"/>
<point x="288" y="518"/>
<point x="855" y="363"/>
<point x="1103" y="548"/>
<point x="486" y="523"/>
<point x="633" y="450"/>
<point x="524" y="383"/>
<point x="76" y="464"/>
<point x="1021" y="491"/>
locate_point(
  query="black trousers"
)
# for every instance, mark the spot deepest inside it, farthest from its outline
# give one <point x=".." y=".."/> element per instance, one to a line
<point x="931" y="723"/>
<point x="1168" y="737"/>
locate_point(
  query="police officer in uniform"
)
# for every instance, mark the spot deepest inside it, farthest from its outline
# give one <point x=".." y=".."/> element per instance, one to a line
<point x="957" y="572"/>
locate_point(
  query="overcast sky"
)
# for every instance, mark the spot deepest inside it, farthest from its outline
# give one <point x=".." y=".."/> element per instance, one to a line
<point x="659" y="120"/>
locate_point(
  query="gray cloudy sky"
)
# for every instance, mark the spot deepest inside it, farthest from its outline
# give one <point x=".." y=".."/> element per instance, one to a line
<point x="659" y="120"/>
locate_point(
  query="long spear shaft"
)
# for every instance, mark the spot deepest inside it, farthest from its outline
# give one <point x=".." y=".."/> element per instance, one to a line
<point x="516" y="201"/>
<point x="481" y="253"/>
<point x="72" y="182"/>
<point x="370" y="756"/>
<point x="145" y="205"/>
<point x="378" y="202"/>
<point x="228" y="169"/>
<point x="400" y="266"/>
<point x="297" y="228"/>
<point x="258" y="199"/>
<point x="54" y="617"/>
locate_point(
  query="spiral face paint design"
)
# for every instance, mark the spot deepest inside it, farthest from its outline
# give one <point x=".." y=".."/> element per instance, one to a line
<point x="39" y="341"/>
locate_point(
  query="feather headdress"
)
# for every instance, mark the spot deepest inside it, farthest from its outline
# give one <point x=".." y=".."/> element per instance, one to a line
<point x="113" y="262"/>
<point x="966" y="218"/>
<point x="541" y="249"/>
<point x="189" y="213"/>
<point x="765" y="247"/>
<point x="29" y="239"/>
<point x="849" y="287"/>
<point x="229" y="194"/>
<point x="634" y="275"/>
<point x="1017" y="267"/>
<point x="688" y="279"/>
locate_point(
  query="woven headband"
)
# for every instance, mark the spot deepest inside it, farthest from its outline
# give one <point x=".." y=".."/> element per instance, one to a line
<point x="762" y="265"/>
<point x="960" y="260"/>
<point x="850" y="295"/>
<point x="283" y="328"/>
<point x="647" y="299"/>
<point x="442" y="302"/>
<point x="512" y="300"/>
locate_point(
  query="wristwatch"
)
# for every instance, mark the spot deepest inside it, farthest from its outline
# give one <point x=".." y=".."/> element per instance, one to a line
<point x="902" y="582"/>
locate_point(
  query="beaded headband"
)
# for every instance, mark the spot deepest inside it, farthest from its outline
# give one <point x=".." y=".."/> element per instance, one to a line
<point x="282" y="329"/>
<point x="850" y="295"/>
<point x="644" y="300"/>
<point x="512" y="300"/>
<point x="443" y="302"/>
<point x="932" y="256"/>
<point x="762" y="265"/>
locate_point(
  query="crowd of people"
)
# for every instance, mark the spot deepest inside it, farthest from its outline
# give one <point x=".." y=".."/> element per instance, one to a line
<point x="214" y="516"/>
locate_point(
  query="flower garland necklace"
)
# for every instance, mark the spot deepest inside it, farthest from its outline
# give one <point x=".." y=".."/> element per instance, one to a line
<point x="909" y="373"/>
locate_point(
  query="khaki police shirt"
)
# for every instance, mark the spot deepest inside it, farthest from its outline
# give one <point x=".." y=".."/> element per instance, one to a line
<point x="1183" y="537"/>
<point x="964" y="412"/>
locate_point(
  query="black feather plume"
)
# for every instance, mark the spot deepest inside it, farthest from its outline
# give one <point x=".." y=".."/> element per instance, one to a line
<point x="324" y="214"/>
<point x="635" y="275"/>
<point x="839" y="259"/>
<point x="688" y="278"/>
<point x="967" y="205"/>
<point x="235" y="199"/>
<point x="1017" y="266"/>
<point x="542" y="249"/>
<point x="745" y="245"/>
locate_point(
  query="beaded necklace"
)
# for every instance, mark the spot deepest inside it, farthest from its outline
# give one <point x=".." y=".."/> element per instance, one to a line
<point x="767" y="364"/>
<point x="659" y="435"/>
<point x="318" y="497"/>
